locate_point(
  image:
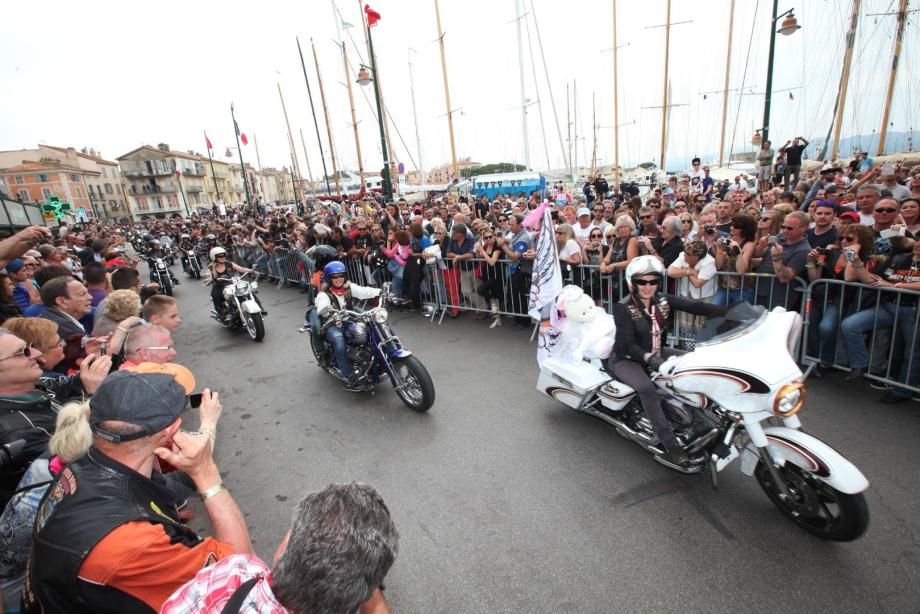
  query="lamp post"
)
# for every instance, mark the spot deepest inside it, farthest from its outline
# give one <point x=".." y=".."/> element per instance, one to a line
<point x="365" y="78"/>
<point x="182" y="192"/>
<point x="789" y="25"/>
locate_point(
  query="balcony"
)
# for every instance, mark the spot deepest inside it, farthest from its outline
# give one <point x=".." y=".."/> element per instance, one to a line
<point x="193" y="171"/>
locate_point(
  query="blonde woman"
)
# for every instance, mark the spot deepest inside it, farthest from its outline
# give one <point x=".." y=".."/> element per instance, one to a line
<point x="121" y="305"/>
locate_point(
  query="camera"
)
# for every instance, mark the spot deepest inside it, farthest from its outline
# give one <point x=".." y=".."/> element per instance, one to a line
<point x="710" y="230"/>
<point x="772" y="240"/>
<point x="850" y="255"/>
<point x="823" y="251"/>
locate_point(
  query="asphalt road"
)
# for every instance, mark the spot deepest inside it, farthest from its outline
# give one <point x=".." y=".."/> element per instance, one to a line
<point x="507" y="501"/>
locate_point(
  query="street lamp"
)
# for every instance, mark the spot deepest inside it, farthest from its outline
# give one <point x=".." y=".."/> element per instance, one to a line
<point x="789" y="26"/>
<point x="365" y="79"/>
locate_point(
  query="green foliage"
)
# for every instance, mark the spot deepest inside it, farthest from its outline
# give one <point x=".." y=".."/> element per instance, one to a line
<point x="488" y="169"/>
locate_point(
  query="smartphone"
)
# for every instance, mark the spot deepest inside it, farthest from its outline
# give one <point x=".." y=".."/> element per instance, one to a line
<point x="194" y="400"/>
<point x="772" y="240"/>
<point x="850" y="255"/>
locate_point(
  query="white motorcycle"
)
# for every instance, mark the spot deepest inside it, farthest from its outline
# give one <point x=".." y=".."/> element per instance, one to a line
<point x="737" y="394"/>
<point x="242" y="307"/>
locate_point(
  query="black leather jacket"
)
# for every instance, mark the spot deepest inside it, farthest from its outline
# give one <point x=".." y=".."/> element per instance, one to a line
<point x="634" y="325"/>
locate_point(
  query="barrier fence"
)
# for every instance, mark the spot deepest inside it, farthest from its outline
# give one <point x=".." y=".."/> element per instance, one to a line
<point x="839" y="317"/>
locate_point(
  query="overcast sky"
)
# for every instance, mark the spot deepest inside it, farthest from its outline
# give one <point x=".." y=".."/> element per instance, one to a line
<point x="115" y="75"/>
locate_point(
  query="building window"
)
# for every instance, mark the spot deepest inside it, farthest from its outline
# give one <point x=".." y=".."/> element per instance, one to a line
<point x="79" y="192"/>
<point x="18" y="179"/>
<point x="24" y="195"/>
<point x="46" y="193"/>
<point x="157" y="203"/>
<point x="74" y="177"/>
<point x="43" y="178"/>
<point x="142" y="204"/>
<point x="105" y="173"/>
<point x="108" y="189"/>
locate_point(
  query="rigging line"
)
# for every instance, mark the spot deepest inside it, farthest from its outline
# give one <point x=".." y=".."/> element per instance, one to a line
<point x="536" y="86"/>
<point x="747" y="60"/>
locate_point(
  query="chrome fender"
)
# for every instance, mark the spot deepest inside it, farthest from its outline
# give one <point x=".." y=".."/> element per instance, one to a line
<point x="250" y="306"/>
<point x="816" y="457"/>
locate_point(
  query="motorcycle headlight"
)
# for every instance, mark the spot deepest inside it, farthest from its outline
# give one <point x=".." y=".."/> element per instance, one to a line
<point x="228" y="291"/>
<point x="242" y="287"/>
<point x="254" y="285"/>
<point x="789" y="400"/>
<point x="381" y="315"/>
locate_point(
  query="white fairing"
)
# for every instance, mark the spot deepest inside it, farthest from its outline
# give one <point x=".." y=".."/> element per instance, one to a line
<point x="816" y="457"/>
<point x="569" y="382"/>
<point x="731" y="372"/>
<point x="250" y="306"/>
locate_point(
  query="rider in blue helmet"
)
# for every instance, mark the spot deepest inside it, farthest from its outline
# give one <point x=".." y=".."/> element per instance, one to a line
<point x="338" y="293"/>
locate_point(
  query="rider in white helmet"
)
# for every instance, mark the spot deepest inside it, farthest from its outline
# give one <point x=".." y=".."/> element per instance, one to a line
<point x="643" y="319"/>
<point x="221" y="271"/>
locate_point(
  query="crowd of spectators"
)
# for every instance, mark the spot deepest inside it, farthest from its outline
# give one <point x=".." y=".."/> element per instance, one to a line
<point x="96" y="471"/>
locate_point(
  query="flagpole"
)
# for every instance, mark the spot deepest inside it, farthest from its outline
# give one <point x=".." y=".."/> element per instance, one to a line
<point x="315" y="123"/>
<point x="387" y="175"/>
<point x="391" y="153"/>
<point x="236" y="133"/>
<point x="322" y="97"/>
<point x="211" y="161"/>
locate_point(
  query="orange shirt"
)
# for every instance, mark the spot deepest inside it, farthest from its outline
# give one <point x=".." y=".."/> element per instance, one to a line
<point x="138" y="558"/>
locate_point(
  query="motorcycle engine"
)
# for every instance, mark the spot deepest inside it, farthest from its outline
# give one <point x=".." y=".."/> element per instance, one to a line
<point x="677" y="412"/>
<point x="358" y="355"/>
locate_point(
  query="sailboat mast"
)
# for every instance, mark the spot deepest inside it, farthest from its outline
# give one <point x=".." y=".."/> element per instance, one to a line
<point x="520" y="45"/>
<point x="575" y="125"/>
<point x="616" y="104"/>
<point x="450" y="113"/>
<point x="307" y="158"/>
<point x="664" y="104"/>
<point x="295" y="168"/>
<point x="902" y="21"/>
<point x="728" y="63"/>
<point x="845" y="78"/>
<point x="594" y="131"/>
<point x="322" y="95"/>
<point x="549" y="86"/>
<point x="351" y="97"/>
<point x="568" y="129"/>
<point x="423" y="179"/>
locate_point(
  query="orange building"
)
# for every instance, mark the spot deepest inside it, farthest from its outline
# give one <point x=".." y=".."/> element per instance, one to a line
<point x="36" y="182"/>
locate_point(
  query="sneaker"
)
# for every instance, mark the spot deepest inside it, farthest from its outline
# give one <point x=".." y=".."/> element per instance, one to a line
<point x="890" y="398"/>
<point x="495" y="322"/>
<point x="855" y="374"/>
<point x="877" y="385"/>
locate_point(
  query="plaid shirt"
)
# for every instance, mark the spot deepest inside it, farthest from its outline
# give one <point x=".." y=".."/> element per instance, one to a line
<point x="212" y="587"/>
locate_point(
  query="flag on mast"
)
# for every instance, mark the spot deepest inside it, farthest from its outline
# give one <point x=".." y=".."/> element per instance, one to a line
<point x="242" y="136"/>
<point x="208" y="142"/>
<point x="372" y="16"/>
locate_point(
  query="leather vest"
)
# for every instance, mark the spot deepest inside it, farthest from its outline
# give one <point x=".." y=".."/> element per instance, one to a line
<point x="91" y="497"/>
<point x="334" y="301"/>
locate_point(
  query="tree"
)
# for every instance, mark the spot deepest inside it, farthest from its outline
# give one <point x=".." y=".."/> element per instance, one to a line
<point x="487" y="169"/>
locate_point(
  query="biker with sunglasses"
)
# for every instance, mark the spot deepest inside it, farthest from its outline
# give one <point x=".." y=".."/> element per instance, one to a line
<point x="643" y="319"/>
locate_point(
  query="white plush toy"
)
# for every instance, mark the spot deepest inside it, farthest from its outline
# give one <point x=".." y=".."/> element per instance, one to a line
<point x="587" y="331"/>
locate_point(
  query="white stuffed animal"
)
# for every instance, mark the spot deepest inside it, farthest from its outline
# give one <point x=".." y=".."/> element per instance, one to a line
<point x="587" y="330"/>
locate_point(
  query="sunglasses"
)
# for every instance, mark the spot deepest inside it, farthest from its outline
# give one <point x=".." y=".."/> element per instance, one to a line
<point x="487" y="237"/>
<point x="789" y="227"/>
<point x="595" y="236"/>
<point x="645" y="217"/>
<point x="645" y="282"/>
<point x="23" y="351"/>
<point x="885" y="210"/>
<point x="847" y="239"/>
<point x="220" y="256"/>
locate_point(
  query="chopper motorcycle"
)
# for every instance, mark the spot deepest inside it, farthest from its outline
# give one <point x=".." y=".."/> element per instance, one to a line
<point x="721" y="412"/>
<point x="375" y="351"/>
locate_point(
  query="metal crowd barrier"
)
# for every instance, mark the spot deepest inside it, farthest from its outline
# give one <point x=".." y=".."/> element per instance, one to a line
<point x="877" y="324"/>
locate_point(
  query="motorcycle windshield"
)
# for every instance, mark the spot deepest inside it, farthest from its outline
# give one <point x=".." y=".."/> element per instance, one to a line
<point x="738" y="320"/>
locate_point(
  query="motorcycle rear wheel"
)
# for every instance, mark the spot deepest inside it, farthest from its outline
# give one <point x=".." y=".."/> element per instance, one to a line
<point x="415" y="386"/>
<point x="817" y="507"/>
<point x="255" y="326"/>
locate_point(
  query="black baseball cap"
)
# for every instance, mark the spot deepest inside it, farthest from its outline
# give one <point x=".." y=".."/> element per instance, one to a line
<point x="151" y="401"/>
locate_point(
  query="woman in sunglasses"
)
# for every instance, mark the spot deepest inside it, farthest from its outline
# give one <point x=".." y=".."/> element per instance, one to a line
<point x="642" y="321"/>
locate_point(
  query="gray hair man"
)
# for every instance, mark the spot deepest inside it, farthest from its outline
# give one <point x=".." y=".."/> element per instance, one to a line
<point x="149" y="343"/>
<point x="341" y="544"/>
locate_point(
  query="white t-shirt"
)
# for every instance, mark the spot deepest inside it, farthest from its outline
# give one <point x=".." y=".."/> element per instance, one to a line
<point x="571" y="248"/>
<point x="866" y="219"/>
<point x="582" y="233"/>
<point x="696" y="181"/>
<point x="706" y="270"/>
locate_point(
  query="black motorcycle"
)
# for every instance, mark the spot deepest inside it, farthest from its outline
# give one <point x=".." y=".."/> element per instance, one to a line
<point x="159" y="271"/>
<point x="190" y="262"/>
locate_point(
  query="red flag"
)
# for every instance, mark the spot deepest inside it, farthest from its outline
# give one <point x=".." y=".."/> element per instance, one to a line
<point x="372" y="16"/>
<point x="208" y="141"/>
<point x="243" y="139"/>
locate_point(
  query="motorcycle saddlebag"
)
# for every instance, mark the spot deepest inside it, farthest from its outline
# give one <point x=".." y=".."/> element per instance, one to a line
<point x="569" y="382"/>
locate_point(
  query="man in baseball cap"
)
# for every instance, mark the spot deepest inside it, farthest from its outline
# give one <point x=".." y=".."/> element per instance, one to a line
<point x="107" y="536"/>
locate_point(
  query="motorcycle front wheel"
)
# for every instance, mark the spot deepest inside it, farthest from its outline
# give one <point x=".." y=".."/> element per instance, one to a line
<point x="166" y="285"/>
<point x="255" y="326"/>
<point x="816" y="506"/>
<point x="414" y="385"/>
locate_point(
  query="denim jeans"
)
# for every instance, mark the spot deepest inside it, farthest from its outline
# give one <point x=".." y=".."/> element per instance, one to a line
<point x="853" y="328"/>
<point x="727" y="296"/>
<point x="272" y="263"/>
<point x="335" y="336"/>
<point x="822" y="331"/>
